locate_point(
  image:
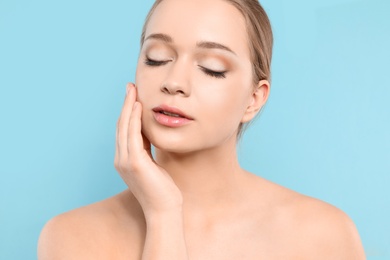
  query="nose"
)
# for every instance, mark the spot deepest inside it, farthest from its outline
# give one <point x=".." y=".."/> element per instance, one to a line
<point x="177" y="81"/>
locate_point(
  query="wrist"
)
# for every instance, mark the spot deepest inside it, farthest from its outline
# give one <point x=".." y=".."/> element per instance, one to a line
<point x="172" y="215"/>
<point x="165" y="238"/>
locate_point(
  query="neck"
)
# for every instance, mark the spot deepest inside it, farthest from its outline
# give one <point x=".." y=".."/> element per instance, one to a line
<point x="208" y="179"/>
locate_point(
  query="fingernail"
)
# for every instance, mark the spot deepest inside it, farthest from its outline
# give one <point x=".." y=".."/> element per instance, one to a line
<point x="135" y="105"/>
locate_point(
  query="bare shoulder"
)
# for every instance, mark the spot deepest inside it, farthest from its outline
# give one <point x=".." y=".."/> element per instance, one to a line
<point x="312" y="227"/>
<point x="96" y="231"/>
<point x="327" y="229"/>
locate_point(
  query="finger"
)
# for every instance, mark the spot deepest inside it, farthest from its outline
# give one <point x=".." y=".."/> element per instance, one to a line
<point x="146" y="144"/>
<point x="124" y="121"/>
<point x="116" y="147"/>
<point x="116" y="159"/>
<point x="118" y="126"/>
<point x="135" y="142"/>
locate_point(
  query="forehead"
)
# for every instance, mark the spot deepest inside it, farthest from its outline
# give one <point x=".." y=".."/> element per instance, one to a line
<point x="192" y="21"/>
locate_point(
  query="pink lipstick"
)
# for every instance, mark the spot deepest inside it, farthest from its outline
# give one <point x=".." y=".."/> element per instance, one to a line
<point x="171" y="116"/>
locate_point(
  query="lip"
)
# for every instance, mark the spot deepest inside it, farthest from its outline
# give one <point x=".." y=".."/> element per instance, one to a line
<point x="171" y="121"/>
<point x="172" y="110"/>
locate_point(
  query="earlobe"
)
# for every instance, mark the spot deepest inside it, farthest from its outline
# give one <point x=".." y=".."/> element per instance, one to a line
<point x="258" y="99"/>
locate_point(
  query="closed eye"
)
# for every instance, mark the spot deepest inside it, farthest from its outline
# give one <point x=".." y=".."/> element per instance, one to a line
<point x="155" y="63"/>
<point x="212" y="73"/>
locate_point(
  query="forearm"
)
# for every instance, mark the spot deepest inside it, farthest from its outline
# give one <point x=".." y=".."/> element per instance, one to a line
<point x="165" y="237"/>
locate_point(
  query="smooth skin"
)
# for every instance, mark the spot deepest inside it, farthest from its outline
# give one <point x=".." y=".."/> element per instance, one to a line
<point x="193" y="200"/>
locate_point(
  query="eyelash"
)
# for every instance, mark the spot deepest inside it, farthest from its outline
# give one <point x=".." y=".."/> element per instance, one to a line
<point x="212" y="73"/>
<point x="154" y="63"/>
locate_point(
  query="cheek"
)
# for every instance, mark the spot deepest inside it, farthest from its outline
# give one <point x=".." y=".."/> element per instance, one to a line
<point x="228" y="97"/>
<point x="144" y="81"/>
<point x="223" y="108"/>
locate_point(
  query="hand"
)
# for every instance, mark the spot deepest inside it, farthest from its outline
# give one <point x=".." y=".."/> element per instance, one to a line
<point x="151" y="185"/>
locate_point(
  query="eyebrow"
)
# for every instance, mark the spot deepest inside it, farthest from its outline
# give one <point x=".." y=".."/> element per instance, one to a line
<point x="204" y="44"/>
<point x="214" y="45"/>
<point x="161" y="37"/>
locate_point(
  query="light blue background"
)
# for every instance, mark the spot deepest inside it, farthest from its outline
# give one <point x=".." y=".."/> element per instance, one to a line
<point x="325" y="131"/>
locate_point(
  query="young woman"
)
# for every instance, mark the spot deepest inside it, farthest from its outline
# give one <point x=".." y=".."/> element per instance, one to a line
<point x="203" y="72"/>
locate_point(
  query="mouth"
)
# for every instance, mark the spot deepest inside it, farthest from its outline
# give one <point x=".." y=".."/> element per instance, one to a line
<point x="171" y="117"/>
<point x="171" y="112"/>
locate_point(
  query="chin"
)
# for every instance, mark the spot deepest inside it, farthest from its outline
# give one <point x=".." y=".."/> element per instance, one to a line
<point x="184" y="141"/>
<point x="174" y="144"/>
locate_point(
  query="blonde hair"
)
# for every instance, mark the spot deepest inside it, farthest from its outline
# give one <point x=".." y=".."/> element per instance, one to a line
<point x="259" y="33"/>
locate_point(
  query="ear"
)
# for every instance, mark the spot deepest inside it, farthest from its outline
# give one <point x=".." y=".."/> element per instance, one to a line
<point x="257" y="100"/>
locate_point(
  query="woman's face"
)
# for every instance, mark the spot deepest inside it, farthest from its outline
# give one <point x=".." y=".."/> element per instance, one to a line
<point x="195" y="58"/>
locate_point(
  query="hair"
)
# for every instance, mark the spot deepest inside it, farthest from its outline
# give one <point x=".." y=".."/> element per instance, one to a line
<point x="260" y="39"/>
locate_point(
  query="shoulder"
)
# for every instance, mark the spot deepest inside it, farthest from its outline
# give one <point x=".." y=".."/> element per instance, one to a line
<point x="313" y="227"/>
<point x="91" y="232"/>
<point x="326" y="229"/>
